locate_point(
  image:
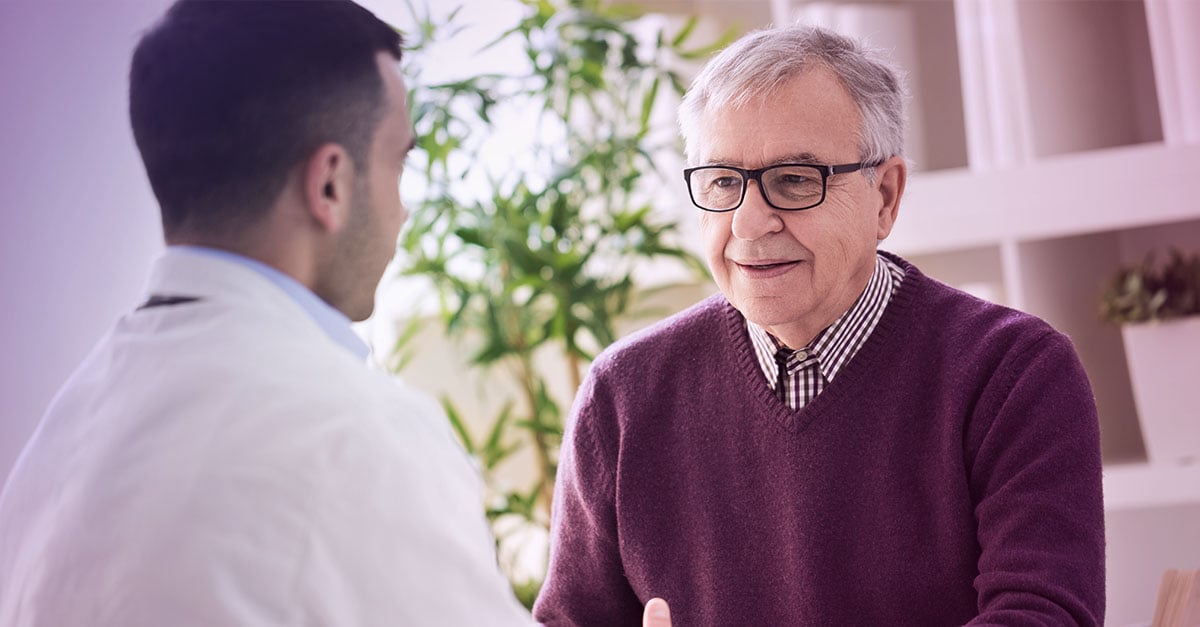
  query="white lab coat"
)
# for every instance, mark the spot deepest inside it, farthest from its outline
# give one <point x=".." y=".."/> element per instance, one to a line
<point x="224" y="462"/>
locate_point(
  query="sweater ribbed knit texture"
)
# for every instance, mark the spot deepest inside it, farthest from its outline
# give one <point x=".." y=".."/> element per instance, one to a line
<point x="950" y="474"/>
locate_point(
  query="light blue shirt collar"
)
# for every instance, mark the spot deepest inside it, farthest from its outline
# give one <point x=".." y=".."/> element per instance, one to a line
<point x="335" y="324"/>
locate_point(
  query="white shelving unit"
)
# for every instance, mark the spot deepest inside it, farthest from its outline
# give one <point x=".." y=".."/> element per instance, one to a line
<point x="1052" y="141"/>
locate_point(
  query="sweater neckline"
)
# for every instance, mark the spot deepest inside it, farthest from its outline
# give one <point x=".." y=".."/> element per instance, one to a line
<point x="886" y="336"/>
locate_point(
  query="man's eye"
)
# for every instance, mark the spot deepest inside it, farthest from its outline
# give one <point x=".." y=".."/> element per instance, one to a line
<point x="726" y="182"/>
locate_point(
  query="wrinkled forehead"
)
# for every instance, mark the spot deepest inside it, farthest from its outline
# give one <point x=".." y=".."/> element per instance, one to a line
<point x="810" y="113"/>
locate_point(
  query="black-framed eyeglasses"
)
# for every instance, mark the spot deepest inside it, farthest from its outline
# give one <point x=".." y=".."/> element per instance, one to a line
<point x="786" y="186"/>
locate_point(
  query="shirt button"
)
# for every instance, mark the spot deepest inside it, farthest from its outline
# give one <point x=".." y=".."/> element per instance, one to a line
<point x="801" y="355"/>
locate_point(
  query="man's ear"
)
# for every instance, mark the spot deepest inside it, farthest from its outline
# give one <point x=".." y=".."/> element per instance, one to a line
<point x="890" y="177"/>
<point x="328" y="183"/>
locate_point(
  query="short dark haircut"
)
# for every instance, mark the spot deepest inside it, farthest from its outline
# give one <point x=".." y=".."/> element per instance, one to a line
<point x="225" y="98"/>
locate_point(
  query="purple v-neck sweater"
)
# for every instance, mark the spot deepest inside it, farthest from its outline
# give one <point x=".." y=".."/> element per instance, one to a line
<point x="949" y="474"/>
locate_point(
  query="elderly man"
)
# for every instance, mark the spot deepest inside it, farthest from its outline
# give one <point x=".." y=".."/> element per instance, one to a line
<point x="835" y="438"/>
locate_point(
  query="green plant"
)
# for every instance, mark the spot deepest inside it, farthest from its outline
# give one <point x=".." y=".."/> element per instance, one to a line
<point x="539" y="254"/>
<point x="1151" y="291"/>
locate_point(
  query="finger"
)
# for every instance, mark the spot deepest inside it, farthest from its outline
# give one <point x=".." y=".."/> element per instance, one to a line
<point x="658" y="614"/>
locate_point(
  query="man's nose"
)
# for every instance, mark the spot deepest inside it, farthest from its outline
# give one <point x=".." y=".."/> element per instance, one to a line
<point x="755" y="218"/>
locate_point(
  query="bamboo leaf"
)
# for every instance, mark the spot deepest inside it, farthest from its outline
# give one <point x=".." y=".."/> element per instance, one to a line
<point x="685" y="32"/>
<point x="721" y="42"/>
<point x="459" y="427"/>
<point x="648" y="106"/>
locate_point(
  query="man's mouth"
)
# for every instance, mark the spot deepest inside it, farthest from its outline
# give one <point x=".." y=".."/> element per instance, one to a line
<point x="766" y="266"/>
<point x="767" y="269"/>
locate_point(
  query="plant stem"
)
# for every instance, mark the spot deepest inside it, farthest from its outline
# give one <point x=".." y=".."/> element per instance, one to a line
<point x="541" y="443"/>
<point x="574" y="367"/>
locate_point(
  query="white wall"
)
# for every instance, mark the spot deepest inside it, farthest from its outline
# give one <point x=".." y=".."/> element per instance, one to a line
<point x="78" y="225"/>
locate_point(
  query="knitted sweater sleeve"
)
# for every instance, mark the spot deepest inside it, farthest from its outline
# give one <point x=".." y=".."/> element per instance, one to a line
<point x="1033" y="452"/>
<point x="586" y="583"/>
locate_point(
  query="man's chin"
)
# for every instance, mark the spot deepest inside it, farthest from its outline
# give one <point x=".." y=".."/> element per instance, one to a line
<point x="769" y="311"/>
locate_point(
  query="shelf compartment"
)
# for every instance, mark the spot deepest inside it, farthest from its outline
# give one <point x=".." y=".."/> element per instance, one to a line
<point x="1102" y="190"/>
<point x="1061" y="281"/>
<point x="1089" y="75"/>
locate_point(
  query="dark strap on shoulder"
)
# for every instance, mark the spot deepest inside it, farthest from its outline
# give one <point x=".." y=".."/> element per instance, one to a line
<point x="159" y="300"/>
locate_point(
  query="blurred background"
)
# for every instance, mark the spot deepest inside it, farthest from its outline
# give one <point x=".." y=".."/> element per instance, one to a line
<point x="1054" y="144"/>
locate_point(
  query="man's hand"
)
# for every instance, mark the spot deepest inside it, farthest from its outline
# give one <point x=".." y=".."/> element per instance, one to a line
<point x="657" y="614"/>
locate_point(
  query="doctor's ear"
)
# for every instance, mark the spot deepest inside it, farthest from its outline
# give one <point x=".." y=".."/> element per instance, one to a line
<point x="328" y="181"/>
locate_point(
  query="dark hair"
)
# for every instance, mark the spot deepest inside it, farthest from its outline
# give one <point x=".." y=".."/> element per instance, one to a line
<point x="226" y="97"/>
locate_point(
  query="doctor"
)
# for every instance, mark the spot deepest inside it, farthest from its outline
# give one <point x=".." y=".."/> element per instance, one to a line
<point x="223" y="457"/>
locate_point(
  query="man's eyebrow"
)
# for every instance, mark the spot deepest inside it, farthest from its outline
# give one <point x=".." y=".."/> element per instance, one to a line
<point x="799" y="157"/>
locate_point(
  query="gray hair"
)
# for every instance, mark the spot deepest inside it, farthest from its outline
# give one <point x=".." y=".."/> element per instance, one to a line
<point x="765" y="60"/>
